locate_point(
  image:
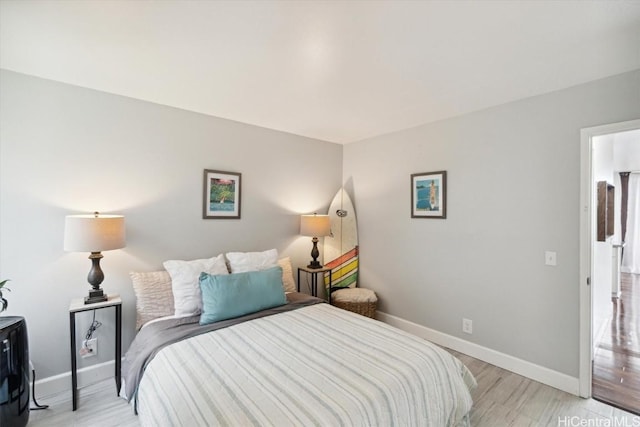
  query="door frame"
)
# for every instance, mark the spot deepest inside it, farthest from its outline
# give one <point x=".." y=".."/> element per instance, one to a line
<point x="586" y="245"/>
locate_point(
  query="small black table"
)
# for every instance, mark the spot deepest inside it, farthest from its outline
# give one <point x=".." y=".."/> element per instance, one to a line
<point x="77" y="305"/>
<point x="314" y="279"/>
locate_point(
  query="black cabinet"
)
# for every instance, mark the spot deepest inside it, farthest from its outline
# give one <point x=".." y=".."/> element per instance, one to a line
<point x="14" y="372"/>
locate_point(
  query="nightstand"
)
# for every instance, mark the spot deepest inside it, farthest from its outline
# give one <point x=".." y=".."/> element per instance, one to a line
<point x="77" y="305"/>
<point x="314" y="279"/>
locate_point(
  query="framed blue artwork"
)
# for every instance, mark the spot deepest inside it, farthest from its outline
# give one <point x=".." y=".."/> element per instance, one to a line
<point x="429" y="195"/>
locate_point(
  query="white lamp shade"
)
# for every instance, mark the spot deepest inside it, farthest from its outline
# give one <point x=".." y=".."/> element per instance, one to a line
<point x="315" y="225"/>
<point x="93" y="233"/>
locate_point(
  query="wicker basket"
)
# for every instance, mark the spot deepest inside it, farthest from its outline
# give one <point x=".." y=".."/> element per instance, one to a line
<point x="356" y="300"/>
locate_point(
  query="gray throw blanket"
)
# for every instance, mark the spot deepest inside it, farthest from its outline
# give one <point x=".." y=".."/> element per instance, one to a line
<point x="157" y="335"/>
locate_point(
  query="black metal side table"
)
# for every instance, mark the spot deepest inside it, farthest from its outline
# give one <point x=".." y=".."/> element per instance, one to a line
<point x="314" y="272"/>
<point x="77" y="306"/>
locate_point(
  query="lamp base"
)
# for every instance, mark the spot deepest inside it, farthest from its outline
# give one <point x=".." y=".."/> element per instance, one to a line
<point x="95" y="295"/>
<point x="314" y="264"/>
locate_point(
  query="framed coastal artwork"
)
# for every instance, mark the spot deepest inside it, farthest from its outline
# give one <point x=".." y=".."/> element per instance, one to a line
<point x="221" y="198"/>
<point x="429" y="195"/>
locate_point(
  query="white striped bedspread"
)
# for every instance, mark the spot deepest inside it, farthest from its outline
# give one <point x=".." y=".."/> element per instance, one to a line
<point x="317" y="365"/>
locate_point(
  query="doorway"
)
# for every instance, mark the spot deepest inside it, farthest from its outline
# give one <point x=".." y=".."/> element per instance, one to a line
<point x="609" y="328"/>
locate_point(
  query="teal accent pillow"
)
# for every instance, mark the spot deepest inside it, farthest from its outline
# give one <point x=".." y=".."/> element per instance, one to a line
<point x="234" y="295"/>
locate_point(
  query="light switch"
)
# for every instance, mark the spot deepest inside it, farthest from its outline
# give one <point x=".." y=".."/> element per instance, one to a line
<point x="550" y="258"/>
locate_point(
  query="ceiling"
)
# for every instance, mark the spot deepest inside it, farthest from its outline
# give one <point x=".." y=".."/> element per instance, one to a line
<point x="339" y="71"/>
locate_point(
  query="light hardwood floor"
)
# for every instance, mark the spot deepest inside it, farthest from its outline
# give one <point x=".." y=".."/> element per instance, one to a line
<point x="501" y="399"/>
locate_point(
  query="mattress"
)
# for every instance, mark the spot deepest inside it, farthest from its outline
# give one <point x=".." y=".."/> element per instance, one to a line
<point x="313" y="365"/>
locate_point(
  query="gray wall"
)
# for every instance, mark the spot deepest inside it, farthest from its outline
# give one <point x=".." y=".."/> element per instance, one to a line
<point x="64" y="150"/>
<point x="513" y="192"/>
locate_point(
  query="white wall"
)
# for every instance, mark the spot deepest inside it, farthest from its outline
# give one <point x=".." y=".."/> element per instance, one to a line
<point x="626" y="151"/>
<point x="64" y="149"/>
<point x="513" y="192"/>
<point x="626" y="158"/>
<point x="613" y="153"/>
<point x="602" y="283"/>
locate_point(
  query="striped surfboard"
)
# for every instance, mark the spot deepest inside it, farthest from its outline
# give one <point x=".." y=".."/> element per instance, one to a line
<point x="341" y="248"/>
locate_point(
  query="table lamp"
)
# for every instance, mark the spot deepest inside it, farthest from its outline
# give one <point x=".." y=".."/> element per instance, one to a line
<point x="94" y="233"/>
<point x="315" y="226"/>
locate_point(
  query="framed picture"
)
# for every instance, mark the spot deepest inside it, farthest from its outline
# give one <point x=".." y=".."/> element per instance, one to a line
<point x="429" y="195"/>
<point x="221" y="198"/>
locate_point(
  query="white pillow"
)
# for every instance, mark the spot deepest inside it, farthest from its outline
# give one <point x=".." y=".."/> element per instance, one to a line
<point x="241" y="262"/>
<point x="288" y="283"/>
<point x="185" y="282"/>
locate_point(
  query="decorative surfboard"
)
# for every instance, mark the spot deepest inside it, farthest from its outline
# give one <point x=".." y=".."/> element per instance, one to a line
<point x="341" y="247"/>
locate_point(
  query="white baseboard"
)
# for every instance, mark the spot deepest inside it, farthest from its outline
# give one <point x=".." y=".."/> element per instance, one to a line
<point x="521" y="367"/>
<point x="62" y="383"/>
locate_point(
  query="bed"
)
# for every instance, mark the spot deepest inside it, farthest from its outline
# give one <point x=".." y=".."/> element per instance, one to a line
<point x="304" y="362"/>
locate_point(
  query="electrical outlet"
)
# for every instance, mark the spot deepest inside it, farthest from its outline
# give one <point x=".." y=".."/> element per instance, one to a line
<point x="467" y="326"/>
<point x="89" y="348"/>
<point x="550" y="258"/>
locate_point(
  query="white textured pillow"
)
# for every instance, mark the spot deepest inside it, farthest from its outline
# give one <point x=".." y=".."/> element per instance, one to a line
<point x="184" y="282"/>
<point x="154" y="297"/>
<point x="288" y="283"/>
<point x="241" y="262"/>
